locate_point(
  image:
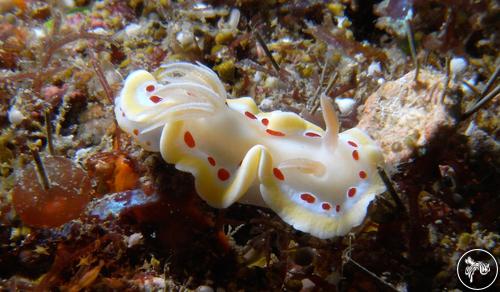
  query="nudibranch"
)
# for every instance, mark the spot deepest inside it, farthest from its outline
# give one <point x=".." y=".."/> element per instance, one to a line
<point x="319" y="181"/>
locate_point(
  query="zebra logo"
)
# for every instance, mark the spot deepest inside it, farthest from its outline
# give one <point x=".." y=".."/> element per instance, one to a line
<point x="473" y="266"/>
<point x="477" y="269"/>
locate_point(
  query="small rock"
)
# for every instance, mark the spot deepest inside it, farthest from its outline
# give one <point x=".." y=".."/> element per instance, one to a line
<point x="408" y="115"/>
<point x="39" y="32"/>
<point x="185" y="38"/>
<point x="374" y="69"/>
<point x="457" y="66"/>
<point x="68" y="3"/>
<point x="53" y="94"/>
<point x="134" y="239"/>
<point x="15" y="116"/>
<point x="266" y="104"/>
<point x="99" y="30"/>
<point x="345" y="104"/>
<point x="257" y="77"/>
<point x="307" y="285"/>
<point x="204" y="288"/>
<point x="234" y="19"/>
<point x="271" y="82"/>
<point x="154" y="284"/>
<point x="132" y="30"/>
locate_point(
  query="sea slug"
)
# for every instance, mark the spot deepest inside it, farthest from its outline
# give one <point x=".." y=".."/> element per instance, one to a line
<point x="319" y="181"/>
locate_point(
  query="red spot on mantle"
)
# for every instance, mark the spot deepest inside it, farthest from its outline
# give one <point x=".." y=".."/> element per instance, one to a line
<point x="308" y="198"/>
<point x="155" y="99"/>
<point x="275" y="133"/>
<point x="355" y="155"/>
<point x="250" y="115"/>
<point x="351" y="192"/>
<point x="211" y="160"/>
<point x="337" y="208"/>
<point x="278" y="174"/>
<point x="265" y="122"/>
<point x="362" y="174"/>
<point x="312" y="134"/>
<point x="189" y="140"/>
<point x="150" y="88"/>
<point x="352" y="143"/>
<point x="223" y="174"/>
<point x="326" y="206"/>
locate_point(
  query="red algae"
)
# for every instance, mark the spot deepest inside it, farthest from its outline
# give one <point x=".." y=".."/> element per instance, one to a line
<point x="113" y="172"/>
<point x="64" y="200"/>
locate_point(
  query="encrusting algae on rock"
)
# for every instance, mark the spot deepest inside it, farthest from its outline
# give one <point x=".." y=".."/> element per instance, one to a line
<point x="321" y="182"/>
<point x="403" y="116"/>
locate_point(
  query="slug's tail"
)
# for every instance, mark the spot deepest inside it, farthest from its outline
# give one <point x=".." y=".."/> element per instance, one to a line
<point x="290" y="202"/>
